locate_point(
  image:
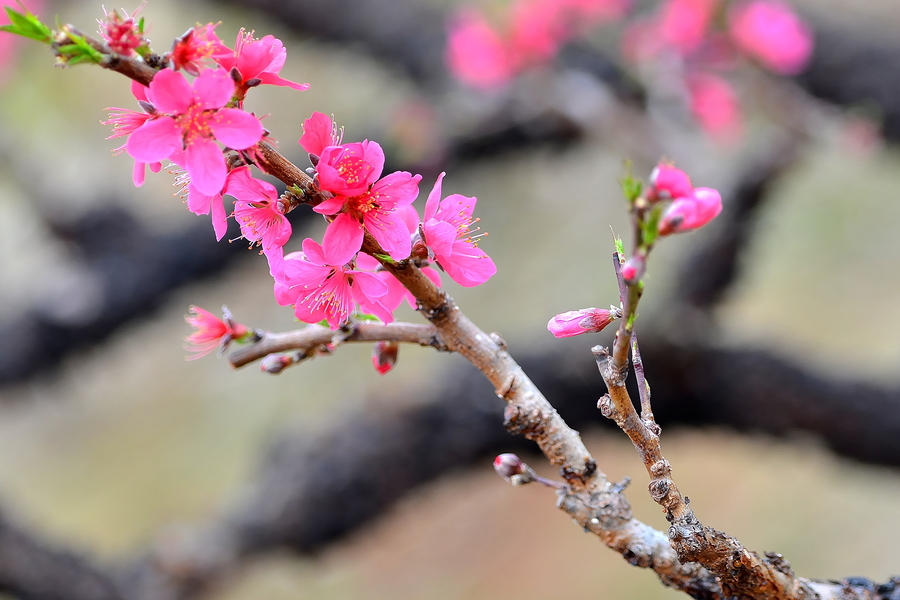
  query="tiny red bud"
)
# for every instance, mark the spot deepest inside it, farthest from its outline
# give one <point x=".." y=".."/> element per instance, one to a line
<point x="508" y="465"/>
<point x="384" y="356"/>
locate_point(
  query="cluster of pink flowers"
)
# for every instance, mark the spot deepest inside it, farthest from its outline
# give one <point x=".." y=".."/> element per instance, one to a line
<point x="688" y="208"/>
<point x="190" y="123"/>
<point x="766" y="31"/>
<point x="185" y="122"/>
<point x="327" y="281"/>
<point x="483" y="57"/>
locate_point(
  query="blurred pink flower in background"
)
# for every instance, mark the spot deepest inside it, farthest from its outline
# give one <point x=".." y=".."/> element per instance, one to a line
<point x="683" y="24"/>
<point x="476" y="54"/>
<point x="715" y="105"/>
<point x="770" y="31"/>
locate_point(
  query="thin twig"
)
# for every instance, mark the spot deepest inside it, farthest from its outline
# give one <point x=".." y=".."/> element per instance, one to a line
<point x="315" y="335"/>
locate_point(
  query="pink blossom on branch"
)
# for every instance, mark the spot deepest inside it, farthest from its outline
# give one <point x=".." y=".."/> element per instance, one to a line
<point x="192" y="119"/>
<point x="361" y="200"/>
<point x="257" y="59"/>
<point x="198" y="202"/>
<point x="323" y="288"/>
<point x="122" y="34"/>
<point x="319" y="132"/>
<point x="770" y="31"/>
<point x="125" y="122"/>
<point x="450" y="239"/>
<point x="190" y="51"/>
<point x="212" y="332"/>
<point x="258" y="210"/>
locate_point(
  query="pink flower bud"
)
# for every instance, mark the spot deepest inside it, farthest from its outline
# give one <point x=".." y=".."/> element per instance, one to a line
<point x="212" y="332"/>
<point x="508" y="465"/>
<point x="384" y="356"/>
<point x="687" y="214"/>
<point x="667" y="182"/>
<point x="634" y="268"/>
<point x="576" y="322"/>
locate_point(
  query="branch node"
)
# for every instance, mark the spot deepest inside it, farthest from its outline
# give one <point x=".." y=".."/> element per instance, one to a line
<point x="660" y="468"/>
<point x="506" y="390"/>
<point x="495" y="337"/>
<point x="606" y="406"/>
<point x="659" y="488"/>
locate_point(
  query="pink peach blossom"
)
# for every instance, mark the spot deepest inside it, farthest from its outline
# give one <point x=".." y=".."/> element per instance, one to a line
<point x="448" y="235"/>
<point x="192" y="119"/>
<point x="122" y="34"/>
<point x="212" y="332"/>
<point x="190" y="51"/>
<point x="260" y="59"/>
<point x="321" y="288"/>
<point x="319" y="132"/>
<point x="258" y="210"/>
<point x="125" y="122"/>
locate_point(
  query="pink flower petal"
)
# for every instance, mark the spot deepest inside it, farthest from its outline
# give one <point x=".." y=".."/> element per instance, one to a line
<point x="331" y="206"/>
<point x="170" y="92"/>
<point x="272" y="79"/>
<point x="393" y="236"/>
<point x="206" y="165"/>
<point x="243" y="186"/>
<point x="434" y="198"/>
<point x="439" y="236"/>
<point x="219" y="220"/>
<point x="313" y="251"/>
<point x="235" y="128"/>
<point x="155" y="140"/>
<point x="317" y="133"/>
<point x="214" y="88"/>
<point x="343" y="239"/>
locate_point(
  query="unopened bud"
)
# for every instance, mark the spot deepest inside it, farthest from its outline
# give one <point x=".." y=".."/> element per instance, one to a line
<point x="693" y="212"/>
<point x="508" y="465"/>
<point x="667" y="183"/>
<point x="275" y="363"/>
<point x="634" y="268"/>
<point x="384" y="356"/>
<point x="585" y="320"/>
